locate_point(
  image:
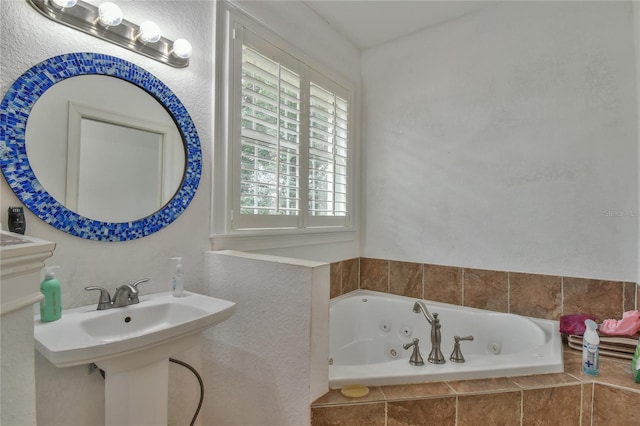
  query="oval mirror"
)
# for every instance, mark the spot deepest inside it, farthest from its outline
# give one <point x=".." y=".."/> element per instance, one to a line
<point x="98" y="147"/>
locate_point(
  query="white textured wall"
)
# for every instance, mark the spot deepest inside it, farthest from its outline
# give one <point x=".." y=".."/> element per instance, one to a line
<point x="270" y="359"/>
<point x="28" y="38"/>
<point x="506" y="140"/>
<point x="17" y="384"/>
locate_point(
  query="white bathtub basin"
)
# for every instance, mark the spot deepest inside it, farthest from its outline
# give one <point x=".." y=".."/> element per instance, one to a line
<point x="368" y="329"/>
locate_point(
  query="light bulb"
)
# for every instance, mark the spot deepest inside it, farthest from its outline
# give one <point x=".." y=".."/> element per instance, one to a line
<point x="109" y="14"/>
<point x="181" y="48"/>
<point x="65" y="4"/>
<point x="149" y="32"/>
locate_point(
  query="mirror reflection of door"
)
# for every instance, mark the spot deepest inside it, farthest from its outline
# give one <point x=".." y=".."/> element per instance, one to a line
<point x="129" y="184"/>
<point x="118" y="167"/>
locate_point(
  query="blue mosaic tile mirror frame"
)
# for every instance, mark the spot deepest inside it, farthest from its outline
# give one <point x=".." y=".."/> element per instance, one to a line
<point x="14" y="113"/>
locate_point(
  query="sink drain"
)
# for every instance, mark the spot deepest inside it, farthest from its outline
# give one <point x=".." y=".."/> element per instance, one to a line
<point x="127" y="319"/>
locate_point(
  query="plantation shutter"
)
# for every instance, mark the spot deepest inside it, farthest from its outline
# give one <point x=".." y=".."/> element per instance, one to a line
<point x="270" y="137"/>
<point x="292" y="146"/>
<point x="328" y="152"/>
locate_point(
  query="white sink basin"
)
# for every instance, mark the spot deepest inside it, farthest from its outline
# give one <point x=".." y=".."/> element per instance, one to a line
<point x="157" y="327"/>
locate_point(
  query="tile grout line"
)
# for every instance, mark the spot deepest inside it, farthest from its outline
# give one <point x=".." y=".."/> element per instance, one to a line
<point x="561" y="295"/>
<point x="423" y="280"/>
<point x="508" y="291"/>
<point x="581" y="403"/>
<point x="341" y="275"/>
<point x="359" y="273"/>
<point x="386" y="413"/>
<point x="521" y="407"/>
<point x="457" y="419"/>
<point x="388" y="276"/>
<point x="462" y="278"/>
<point x="593" y="395"/>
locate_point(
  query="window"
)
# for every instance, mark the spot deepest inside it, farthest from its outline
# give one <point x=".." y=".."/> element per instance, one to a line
<point x="290" y="140"/>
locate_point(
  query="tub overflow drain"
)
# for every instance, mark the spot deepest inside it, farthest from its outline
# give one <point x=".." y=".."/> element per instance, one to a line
<point x="494" y="348"/>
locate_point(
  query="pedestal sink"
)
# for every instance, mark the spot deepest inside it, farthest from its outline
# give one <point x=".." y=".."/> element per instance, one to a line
<point x="132" y="345"/>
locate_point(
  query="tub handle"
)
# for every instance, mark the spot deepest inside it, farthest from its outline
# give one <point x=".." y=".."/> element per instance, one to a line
<point x="416" y="358"/>
<point x="456" y="355"/>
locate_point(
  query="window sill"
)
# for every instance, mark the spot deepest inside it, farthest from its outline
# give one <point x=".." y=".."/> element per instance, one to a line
<point x="275" y="239"/>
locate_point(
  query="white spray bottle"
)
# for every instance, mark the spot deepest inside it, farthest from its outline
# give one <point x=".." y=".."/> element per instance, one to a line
<point x="177" y="284"/>
<point x="590" y="349"/>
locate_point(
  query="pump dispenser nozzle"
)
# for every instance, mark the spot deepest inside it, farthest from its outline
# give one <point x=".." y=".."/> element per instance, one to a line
<point x="49" y="272"/>
<point x="177" y="284"/>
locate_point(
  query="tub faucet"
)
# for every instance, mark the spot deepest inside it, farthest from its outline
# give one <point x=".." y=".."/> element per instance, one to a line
<point x="435" y="356"/>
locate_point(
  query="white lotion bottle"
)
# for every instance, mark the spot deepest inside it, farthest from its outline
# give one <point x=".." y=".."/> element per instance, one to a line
<point x="177" y="283"/>
<point x="590" y="349"/>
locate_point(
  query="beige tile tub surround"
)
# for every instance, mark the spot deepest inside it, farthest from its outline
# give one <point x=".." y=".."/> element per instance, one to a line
<point x="345" y="277"/>
<point x="604" y="299"/>
<point x="406" y="279"/>
<point x="374" y="274"/>
<point x="536" y="295"/>
<point x="443" y="283"/>
<point x="486" y="289"/>
<point x="568" y="398"/>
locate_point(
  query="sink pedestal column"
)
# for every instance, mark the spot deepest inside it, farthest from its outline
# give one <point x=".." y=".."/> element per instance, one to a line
<point x="138" y="396"/>
<point x="136" y="389"/>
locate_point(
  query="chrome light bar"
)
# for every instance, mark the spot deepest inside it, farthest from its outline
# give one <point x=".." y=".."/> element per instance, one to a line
<point x="85" y="17"/>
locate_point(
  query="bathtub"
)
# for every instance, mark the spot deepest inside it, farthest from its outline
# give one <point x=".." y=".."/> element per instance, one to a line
<point x="368" y="329"/>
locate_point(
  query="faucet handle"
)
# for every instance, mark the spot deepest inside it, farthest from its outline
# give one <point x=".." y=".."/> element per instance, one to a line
<point x="105" y="298"/>
<point x="416" y="358"/>
<point x="140" y="281"/>
<point x="456" y="355"/>
<point x="134" y="296"/>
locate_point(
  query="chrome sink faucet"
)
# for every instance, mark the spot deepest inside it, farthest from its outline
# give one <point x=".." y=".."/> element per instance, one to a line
<point x="125" y="295"/>
<point x="435" y="356"/>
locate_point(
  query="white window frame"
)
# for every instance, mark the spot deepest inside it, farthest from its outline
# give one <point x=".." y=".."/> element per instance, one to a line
<point x="273" y="230"/>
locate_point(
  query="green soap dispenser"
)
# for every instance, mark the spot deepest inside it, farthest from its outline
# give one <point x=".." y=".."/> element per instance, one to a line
<point x="50" y="306"/>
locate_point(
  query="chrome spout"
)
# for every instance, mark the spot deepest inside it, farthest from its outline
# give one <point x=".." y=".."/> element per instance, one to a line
<point x="435" y="356"/>
<point x="125" y="295"/>
<point x="419" y="306"/>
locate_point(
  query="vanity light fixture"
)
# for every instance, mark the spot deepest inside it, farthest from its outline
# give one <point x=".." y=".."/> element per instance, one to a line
<point x="64" y="4"/>
<point x="149" y="32"/>
<point x="109" y="14"/>
<point x="106" y="22"/>
<point x="181" y="48"/>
